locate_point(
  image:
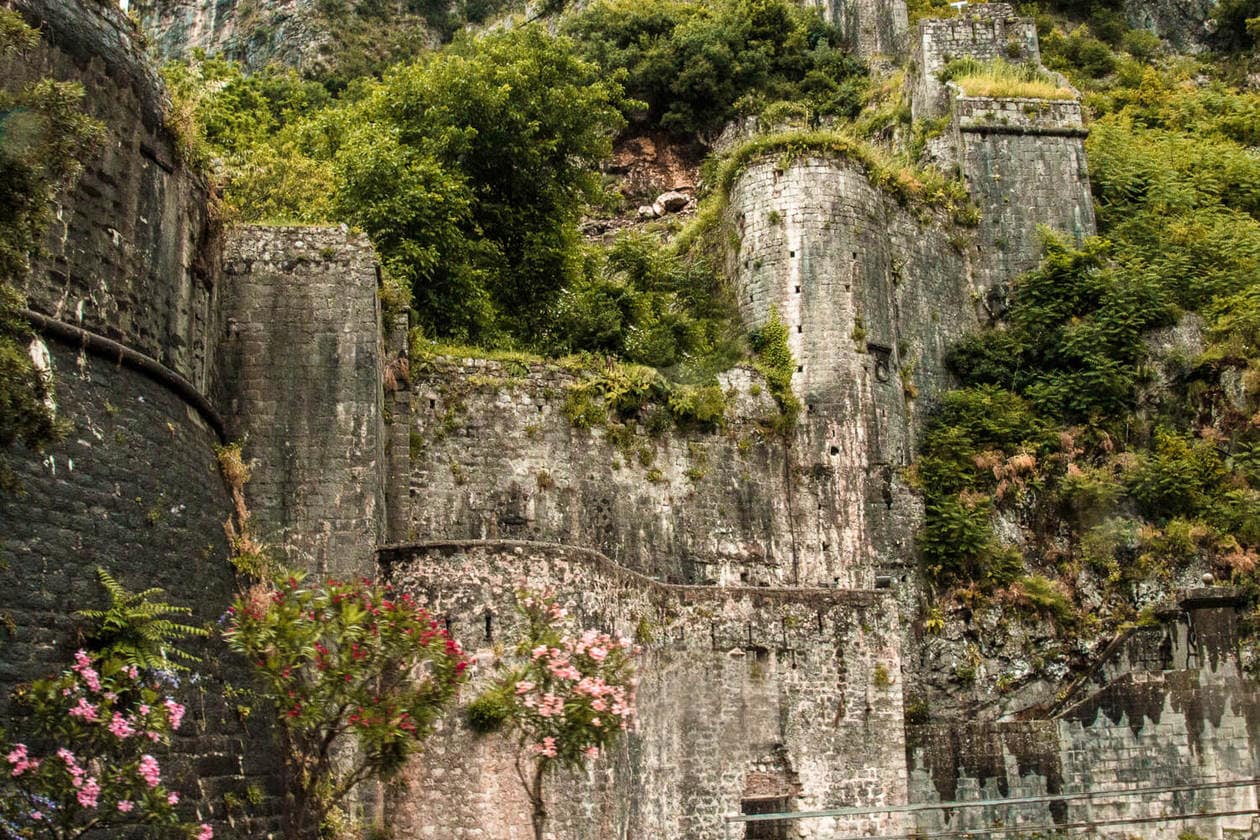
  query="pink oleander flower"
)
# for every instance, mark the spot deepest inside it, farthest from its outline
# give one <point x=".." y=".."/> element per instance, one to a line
<point x="144" y="709"/>
<point x="175" y="711"/>
<point x="551" y="705"/>
<point x="206" y="832"/>
<point x="37" y="815"/>
<point x="126" y="805"/>
<point x="149" y="770"/>
<point x="85" y="710"/>
<point x="547" y="747"/>
<point x="591" y="752"/>
<point x="538" y="652"/>
<point x="83" y="667"/>
<point x="172" y="798"/>
<point x="88" y="792"/>
<point x="524" y="686"/>
<point x="597" y="653"/>
<point x="21" y="761"/>
<point x="120" y="727"/>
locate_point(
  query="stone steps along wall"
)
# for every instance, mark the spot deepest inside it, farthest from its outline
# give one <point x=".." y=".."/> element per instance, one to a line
<point x="298" y="378"/>
<point x="739" y="686"/>
<point x="1168" y="707"/>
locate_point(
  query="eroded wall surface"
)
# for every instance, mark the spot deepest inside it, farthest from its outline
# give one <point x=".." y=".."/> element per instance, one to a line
<point x="1024" y="164"/>
<point x="874" y="29"/>
<point x="1169" y="710"/>
<point x="743" y="692"/>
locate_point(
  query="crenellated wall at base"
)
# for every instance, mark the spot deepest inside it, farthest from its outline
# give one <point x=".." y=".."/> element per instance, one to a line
<point x="1169" y="710"/>
<point x="743" y="692"/>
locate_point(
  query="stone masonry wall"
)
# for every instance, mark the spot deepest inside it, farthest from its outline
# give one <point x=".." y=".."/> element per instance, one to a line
<point x="1169" y="708"/>
<point x="298" y="378"/>
<point x="873" y="296"/>
<point x="494" y="455"/>
<point x="133" y="487"/>
<point x="128" y="255"/>
<point x="1024" y="164"/>
<point x="984" y="31"/>
<point x="737" y="685"/>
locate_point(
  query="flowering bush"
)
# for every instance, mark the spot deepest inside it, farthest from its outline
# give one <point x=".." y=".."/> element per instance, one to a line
<point x="344" y="663"/>
<point x="571" y="698"/>
<point x="87" y="762"/>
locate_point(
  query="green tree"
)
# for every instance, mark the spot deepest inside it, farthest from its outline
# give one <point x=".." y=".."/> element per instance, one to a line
<point x="346" y="665"/>
<point x="491" y="147"/>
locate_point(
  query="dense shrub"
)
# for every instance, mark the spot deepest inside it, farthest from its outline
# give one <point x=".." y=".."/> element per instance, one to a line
<point x="696" y="65"/>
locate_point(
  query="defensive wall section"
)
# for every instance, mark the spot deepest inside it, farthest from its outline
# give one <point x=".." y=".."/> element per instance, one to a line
<point x="1023" y="159"/>
<point x="787" y="696"/>
<point x="1167" y="710"/>
<point x="299" y="380"/>
<point x="766" y="575"/>
<point x="123" y="300"/>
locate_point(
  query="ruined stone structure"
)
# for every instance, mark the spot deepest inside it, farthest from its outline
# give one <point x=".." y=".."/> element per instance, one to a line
<point x="769" y="577"/>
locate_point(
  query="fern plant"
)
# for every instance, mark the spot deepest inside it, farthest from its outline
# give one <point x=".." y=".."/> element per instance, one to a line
<point x="138" y="630"/>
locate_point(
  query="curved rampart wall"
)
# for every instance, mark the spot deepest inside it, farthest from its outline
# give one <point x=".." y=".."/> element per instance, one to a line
<point x="123" y="304"/>
<point x="128" y="255"/>
<point x="872" y="295"/>
<point x="743" y="692"/>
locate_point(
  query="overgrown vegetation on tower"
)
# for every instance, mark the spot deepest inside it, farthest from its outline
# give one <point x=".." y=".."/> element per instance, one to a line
<point x="1124" y="458"/>
<point x="44" y="136"/>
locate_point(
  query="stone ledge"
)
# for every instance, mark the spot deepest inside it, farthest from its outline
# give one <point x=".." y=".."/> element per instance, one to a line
<point x="110" y="350"/>
<point x="391" y="556"/>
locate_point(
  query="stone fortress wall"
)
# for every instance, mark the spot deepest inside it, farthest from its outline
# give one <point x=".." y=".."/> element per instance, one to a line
<point x="1168" y="708"/>
<point x="746" y="692"/>
<point x="125" y="301"/>
<point x="769" y="578"/>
